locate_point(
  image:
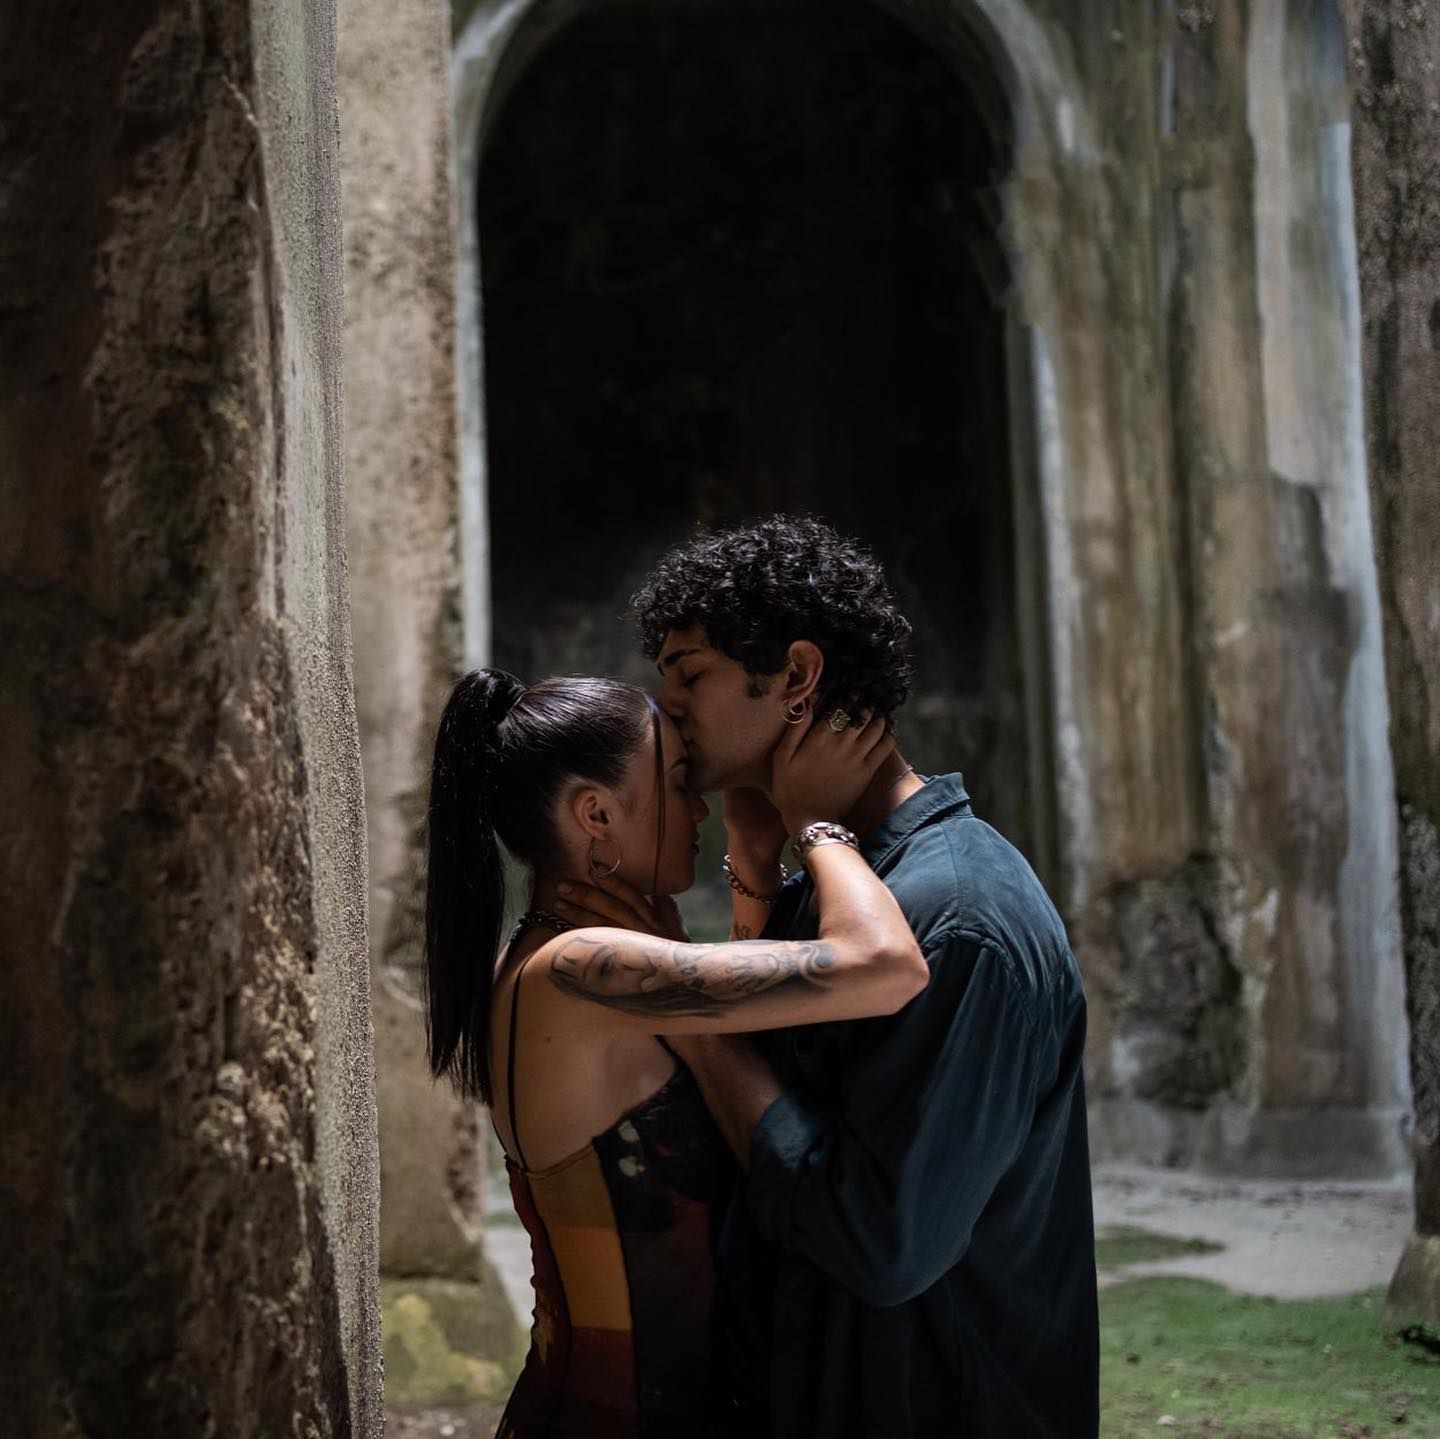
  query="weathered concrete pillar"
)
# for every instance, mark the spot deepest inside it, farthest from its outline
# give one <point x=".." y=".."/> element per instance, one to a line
<point x="1107" y="526"/>
<point x="405" y="579"/>
<point x="1182" y="224"/>
<point x="1297" y="776"/>
<point x="404" y="571"/>
<point x="185" y="1045"/>
<point x="1395" y="69"/>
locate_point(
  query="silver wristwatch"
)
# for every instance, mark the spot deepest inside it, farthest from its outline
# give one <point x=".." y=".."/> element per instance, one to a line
<point x="823" y="831"/>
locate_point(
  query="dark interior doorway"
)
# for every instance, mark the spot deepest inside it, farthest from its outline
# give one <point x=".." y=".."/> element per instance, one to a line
<point x="741" y="256"/>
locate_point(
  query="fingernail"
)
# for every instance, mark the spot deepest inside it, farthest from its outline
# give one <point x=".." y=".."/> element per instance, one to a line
<point x="563" y="888"/>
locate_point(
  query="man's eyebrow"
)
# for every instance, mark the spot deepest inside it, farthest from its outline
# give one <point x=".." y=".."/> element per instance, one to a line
<point x="675" y="655"/>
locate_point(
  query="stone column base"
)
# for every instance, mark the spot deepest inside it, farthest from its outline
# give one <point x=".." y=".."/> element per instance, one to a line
<point x="1414" y="1296"/>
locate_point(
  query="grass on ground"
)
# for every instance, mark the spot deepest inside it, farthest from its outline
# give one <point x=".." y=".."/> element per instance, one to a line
<point x="1186" y="1357"/>
<point x="1117" y="1244"/>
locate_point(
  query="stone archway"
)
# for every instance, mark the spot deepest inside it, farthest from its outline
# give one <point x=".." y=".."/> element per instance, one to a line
<point x="715" y="384"/>
<point x="1166" y="339"/>
<point x="740" y="258"/>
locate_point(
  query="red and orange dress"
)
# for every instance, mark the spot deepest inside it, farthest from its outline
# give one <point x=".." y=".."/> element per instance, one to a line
<point x="622" y="1235"/>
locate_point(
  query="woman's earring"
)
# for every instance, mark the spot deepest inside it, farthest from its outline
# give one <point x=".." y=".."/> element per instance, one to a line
<point x="595" y="868"/>
<point x="795" y="714"/>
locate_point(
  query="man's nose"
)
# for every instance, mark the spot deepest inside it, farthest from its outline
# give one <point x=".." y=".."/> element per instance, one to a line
<point x="672" y="702"/>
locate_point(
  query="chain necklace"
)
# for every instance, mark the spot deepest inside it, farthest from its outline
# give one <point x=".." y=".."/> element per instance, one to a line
<point x="546" y="918"/>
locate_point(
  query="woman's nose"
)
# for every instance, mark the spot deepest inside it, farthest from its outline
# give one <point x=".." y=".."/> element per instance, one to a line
<point x="702" y="810"/>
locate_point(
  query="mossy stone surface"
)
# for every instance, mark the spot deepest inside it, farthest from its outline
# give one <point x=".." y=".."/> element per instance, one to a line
<point x="447" y="1342"/>
<point x="1414" y="1297"/>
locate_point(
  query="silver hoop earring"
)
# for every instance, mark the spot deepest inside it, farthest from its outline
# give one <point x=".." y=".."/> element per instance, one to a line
<point x="795" y="714"/>
<point x="595" y="868"/>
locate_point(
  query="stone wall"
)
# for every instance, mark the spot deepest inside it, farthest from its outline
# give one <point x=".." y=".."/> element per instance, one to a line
<point x="185" y="1044"/>
<point x="1395" y="65"/>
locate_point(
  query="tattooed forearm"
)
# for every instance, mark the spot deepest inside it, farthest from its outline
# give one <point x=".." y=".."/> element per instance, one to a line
<point x="660" y="977"/>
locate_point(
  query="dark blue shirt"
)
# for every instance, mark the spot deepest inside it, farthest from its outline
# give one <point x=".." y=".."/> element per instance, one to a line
<point x="913" y="1251"/>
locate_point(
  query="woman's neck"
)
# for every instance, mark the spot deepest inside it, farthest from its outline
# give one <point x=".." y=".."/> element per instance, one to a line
<point x="545" y="888"/>
<point x="544" y="891"/>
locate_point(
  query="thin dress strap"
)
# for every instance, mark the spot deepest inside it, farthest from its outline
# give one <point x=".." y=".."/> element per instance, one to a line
<point x="510" y="1059"/>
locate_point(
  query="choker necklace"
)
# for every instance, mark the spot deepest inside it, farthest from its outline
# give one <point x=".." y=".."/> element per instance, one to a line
<point x="546" y="918"/>
<point x="908" y="770"/>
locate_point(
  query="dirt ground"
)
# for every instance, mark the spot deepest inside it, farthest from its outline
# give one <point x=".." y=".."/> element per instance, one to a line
<point x="477" y="1423"/>
<point x="1281" y="1240"/>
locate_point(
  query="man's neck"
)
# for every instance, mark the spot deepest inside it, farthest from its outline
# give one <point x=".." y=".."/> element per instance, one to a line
<point x="894" y="783"/>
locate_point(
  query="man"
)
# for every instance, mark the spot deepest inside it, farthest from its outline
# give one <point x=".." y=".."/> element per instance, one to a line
<point x="912" y="1251"/>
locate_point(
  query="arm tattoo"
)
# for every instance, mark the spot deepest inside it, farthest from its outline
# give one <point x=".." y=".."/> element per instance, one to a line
<point x="660" y="977"/>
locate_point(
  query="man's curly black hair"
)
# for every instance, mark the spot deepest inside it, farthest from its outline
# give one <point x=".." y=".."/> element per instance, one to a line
<point x="757" y="588"/>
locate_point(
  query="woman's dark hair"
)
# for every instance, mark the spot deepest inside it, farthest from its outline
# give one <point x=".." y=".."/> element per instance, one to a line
<point x="758" y="588"/>
<point x="503" y="753"/>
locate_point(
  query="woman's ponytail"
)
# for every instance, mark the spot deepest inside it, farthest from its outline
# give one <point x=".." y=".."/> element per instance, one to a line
<point x="465" y="883"/>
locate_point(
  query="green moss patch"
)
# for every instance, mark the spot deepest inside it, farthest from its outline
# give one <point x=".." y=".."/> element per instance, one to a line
<point x="1119" y="1244"/>
<point x="446" y="1343"/>
<point x="1186" y="1357"/>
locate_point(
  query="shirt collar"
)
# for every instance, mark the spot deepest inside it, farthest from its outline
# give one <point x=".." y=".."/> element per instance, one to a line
<point x="942" y="794"/>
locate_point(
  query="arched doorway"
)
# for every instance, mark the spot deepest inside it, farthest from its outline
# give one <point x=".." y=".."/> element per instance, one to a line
<point x="738" y="258"/>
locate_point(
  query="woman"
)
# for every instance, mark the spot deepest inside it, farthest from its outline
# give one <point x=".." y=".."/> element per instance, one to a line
<point x="616" y="1166"/>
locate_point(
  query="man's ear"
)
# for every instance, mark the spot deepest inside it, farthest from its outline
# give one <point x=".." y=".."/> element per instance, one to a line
<point x="804" y="664"/>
